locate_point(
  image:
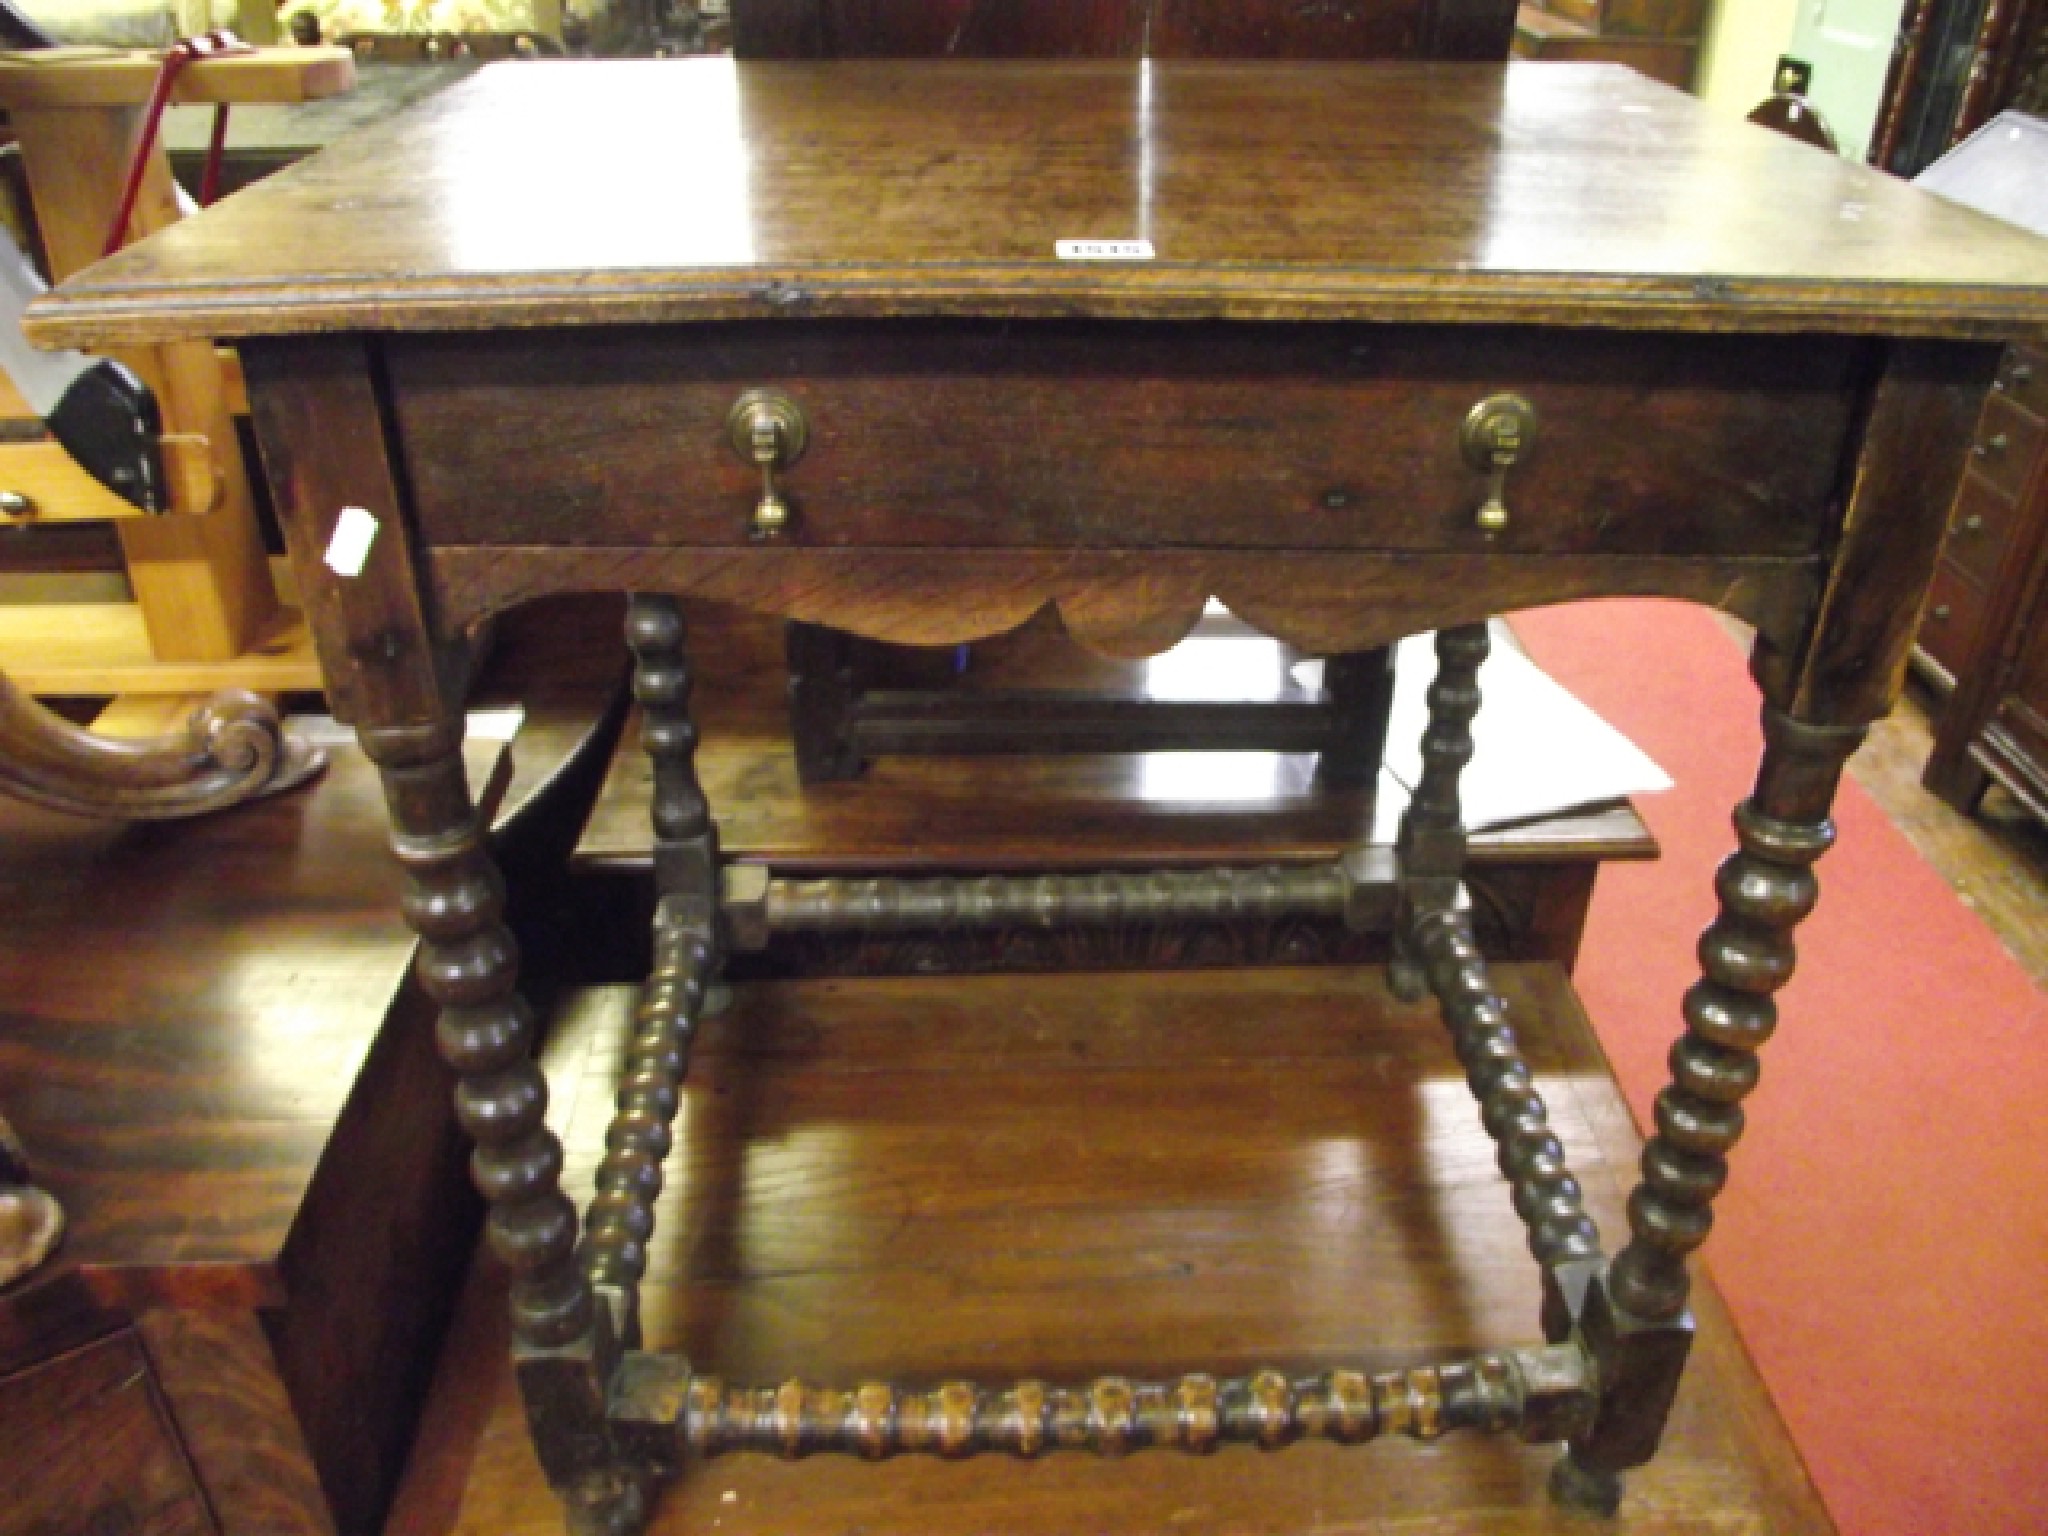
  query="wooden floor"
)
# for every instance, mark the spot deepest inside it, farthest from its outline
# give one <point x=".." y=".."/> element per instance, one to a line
<point x="1997" y="860"/>
<point x="1107" y="1173"/>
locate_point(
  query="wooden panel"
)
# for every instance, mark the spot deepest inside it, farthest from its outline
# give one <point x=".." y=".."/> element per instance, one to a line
<point x="103" y="648"/>
<point x="891" y="1176"/>
<point x="1050" y="435"/>
<point x="202" y="583"/>
<point x="2023" y="379"/>
<point x="2023" y="709"/>
<point x="1242" y="29"/>
<point x="1980" y="529"/>
<point x="1367" y="191"/>
<point x="2008" y="445"/>
<point x="90" y="1448"/>
<point x="58" y="490"/>
<point x="101" y="77"/>
<point x="235" y="1421"/>
<point x="1955" y="610"/>
<point x="180" y="1094"/>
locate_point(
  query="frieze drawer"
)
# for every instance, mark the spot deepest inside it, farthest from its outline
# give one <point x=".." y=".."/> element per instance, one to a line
<point x="1042" y="434"/>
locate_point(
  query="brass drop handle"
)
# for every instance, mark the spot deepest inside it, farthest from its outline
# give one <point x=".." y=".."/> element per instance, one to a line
<point x="767" y="430"/>
<point x="1498" y="433"/>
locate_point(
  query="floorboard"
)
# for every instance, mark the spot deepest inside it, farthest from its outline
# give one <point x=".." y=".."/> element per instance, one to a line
<point x="1105" y="1172"/>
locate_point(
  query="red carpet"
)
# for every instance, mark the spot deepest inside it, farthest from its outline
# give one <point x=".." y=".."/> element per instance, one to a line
<point x="1884" y="1239"/>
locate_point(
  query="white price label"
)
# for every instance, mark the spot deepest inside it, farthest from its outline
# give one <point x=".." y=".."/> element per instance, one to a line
<point x="1103" y="250"/>
<point x="349" y="550"/>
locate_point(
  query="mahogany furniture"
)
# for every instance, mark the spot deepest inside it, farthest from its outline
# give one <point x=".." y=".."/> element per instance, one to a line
<point x="1986" y="637"/>
<point x="1985" y="640"/>
<point x="218" y="1061"/>
<point x="1419" y="343"/>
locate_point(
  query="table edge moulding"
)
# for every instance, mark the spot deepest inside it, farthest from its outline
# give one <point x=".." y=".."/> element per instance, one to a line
<point x="1418" y="343"/>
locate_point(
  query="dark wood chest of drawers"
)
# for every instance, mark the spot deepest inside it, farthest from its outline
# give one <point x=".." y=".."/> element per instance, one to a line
<point x="1986" y="633"/>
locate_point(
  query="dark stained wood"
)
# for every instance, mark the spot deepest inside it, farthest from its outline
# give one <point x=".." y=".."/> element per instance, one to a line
<point x="1222" y="436"/>
<point x="898" y="1178"/>
<point x="834" y="736"/>
<point x="1635" y="1315"/>
<point x="231" y="749"/>
<point x="324" y="448"/>
<point x="1471" y="193"/>
<point x="1794" y="116"/>
<point x="243" y="1085"/>
<point x="236" y="1420"/>
<point x="1457" y="197"/>
<point x="178" y="1096"/>
<point x="1160" y="29"/>
<point x="89" y="1447"/>
<point x="1127" y="603"/>
<point x="1917" y="434"/>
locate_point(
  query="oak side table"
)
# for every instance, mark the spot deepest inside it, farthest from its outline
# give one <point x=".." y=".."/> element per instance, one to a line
<point x="917" y="350"/>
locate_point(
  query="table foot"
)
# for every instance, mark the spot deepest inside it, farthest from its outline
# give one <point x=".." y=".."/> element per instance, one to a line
<point x="1591" y="1490"/>
<point x="606" y="1504"/>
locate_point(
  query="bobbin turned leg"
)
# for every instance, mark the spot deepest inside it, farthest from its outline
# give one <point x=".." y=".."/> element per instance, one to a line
<point x="1635" y="1322"/>
<point x="629" y="1180"/>
<point x="1437" y="954"/>
<point x="468" y="962"/>
<point x="1431" y="842"/>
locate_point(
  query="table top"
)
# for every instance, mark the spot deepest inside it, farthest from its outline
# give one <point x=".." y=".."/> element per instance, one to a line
<point x="656" y="191"/>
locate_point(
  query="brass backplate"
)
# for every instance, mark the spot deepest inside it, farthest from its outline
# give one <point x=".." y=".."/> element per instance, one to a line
<point x="793" y="432"/>
<point x="1498" y="431"/>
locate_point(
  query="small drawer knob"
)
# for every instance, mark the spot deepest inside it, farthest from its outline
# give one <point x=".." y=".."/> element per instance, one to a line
<point x="14" y="504"/>
<point x="767" y="430"/>
<point x="1974" y="523"/>
<point x="1497" y="434"/>
<point x="1996" y="443"/>
<point x="1941" y="612"/>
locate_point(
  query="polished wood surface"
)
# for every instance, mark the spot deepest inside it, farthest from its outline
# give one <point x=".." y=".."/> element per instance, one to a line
<point x="1561" y="194"/>
<point x="1435" y="198"/>
<point x="240" y="1083"/>
<point x="93" y="1425"/>
<point x="1160" y="29"/>
<point x="897" y="1176"/>
<point x="1213" y="436"/>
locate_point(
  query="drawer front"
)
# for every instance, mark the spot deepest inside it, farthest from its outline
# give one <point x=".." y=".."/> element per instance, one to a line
<point x="89" y="1447"/>
<point x="1948" y="631"/>
<point x="2023" y="379"/>
<point x="1980" y="528"/>
<point x="1129" y="436"/>
<point x="2007" y="443"/>
<point x="2023" y="708"/>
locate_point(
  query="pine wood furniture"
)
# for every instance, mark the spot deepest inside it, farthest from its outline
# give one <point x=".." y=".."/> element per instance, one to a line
<point x="1753" y="370"/>
<point x="206" y="613"/>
